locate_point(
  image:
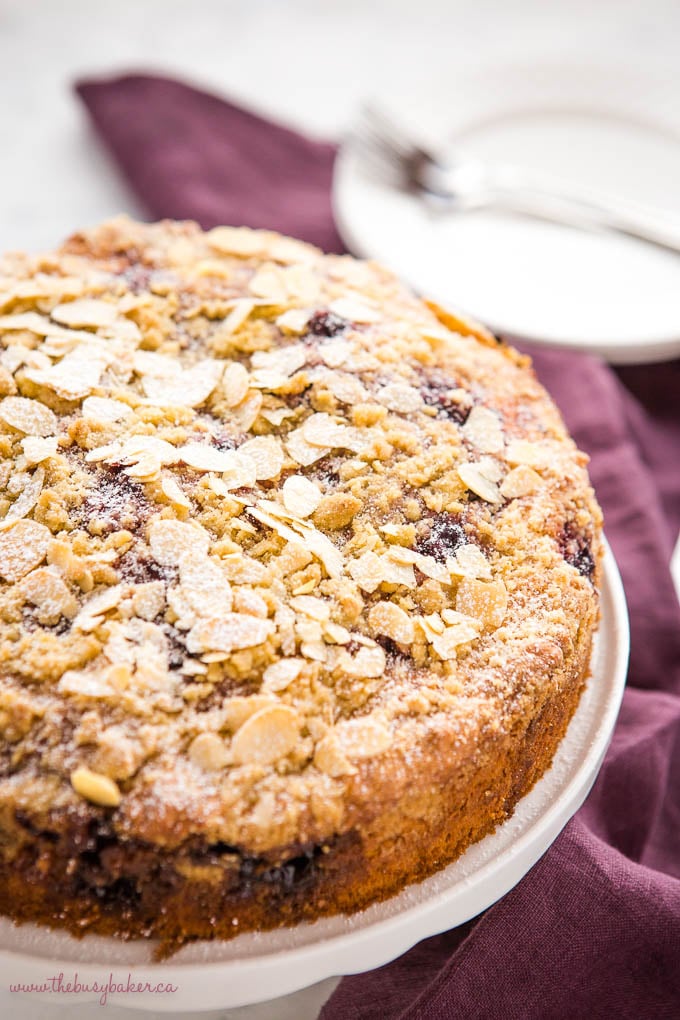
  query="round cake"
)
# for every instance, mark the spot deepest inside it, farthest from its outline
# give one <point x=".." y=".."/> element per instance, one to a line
<point x="298" y="583"/>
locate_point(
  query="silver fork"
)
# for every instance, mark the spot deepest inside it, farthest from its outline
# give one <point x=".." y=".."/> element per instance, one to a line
<point x="462" y="185"/>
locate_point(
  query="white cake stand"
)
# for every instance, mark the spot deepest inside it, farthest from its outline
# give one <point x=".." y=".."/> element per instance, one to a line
<point x="262" y="966"/>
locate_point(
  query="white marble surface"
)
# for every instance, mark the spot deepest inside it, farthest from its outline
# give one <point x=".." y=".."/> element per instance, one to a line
<point x="308" y="62"/>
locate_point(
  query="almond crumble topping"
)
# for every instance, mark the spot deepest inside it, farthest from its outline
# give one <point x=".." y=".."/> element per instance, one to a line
<point x="262" y="522"/>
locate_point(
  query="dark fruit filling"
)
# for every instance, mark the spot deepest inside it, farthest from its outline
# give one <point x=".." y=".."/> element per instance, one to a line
<point x="446" y="535"/>
<point x="326" y="324"/>
<point x="575" y="548"/>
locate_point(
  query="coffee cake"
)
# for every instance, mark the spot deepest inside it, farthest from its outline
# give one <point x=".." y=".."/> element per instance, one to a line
<point x="299" y="582"/>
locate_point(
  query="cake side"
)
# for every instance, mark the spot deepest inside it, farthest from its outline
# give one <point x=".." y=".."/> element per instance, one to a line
<point x="299" y="582"/>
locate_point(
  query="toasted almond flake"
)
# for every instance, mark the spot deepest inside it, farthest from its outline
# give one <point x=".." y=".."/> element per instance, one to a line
<point x="346" y="388"/>
<point x="235" y="383"/>
<point x="483" y="430"/>
<point x="22" y="506"/>
<point x="445" y="644"/>
<point x="148" y="600"/>
<point x="75" y="376"/>
<point x="85" y="312"/>
<point x="368" y="571"/>
<point x="400" y="397"/>
<point x="486" y="601"/>
<point x="105" y="410"/>
<point x="310" y="605"/>
<point x="237" y="316"/>
<point x="336" y="634"/>
<point x="281" y="674"/>
<point x="426" y="564"/>
<point x="239" y="241"/>
<point x="203" y="457"/>
<point x="268" y="282"/>
<point x="389" y="619"/>
<point x="368" y="662"/>
<point x="301" y="497"/>
<point x="276" y="415"/>
<point x="275" y="523"/>
<point x="237" y="709"/>
<point x="172" y="491"/>
<point x="245" y="414"/>
<point x="23" y="546"/>
<point x="520" y="481"/>
<point x="205" y="585"/>
<point x="267" y="736"/>
<point x="229" y="633"/>
<point x="209" y="752"/>
<point x="331" y="759"/>
<point x="37" y="449"/>
<point x="92" y="612"/>
<point x="294" y="321"/>
<point x="266" y="454"/>
<point x="321" y="430"/>
<point x="190" y="388"/>
<point x="315" y="650"/>
<point x="169" y="540"/>
<point x="354" y="310"/>
<point x="473" y="479"/>
<point x="522" y="451"/>
<point x="271" y="370"/>
<point x="335" y="352"/>
<point x="490" y="468"/>
<point x="432" y="625"/>
<point x="156" y="365"/>
<point x="469" y="561"/>
<point x="248" y="601"/>
<point x="324" y="550"/>
<point x="31" y="321"/>
<point x="363" y="737"/>
<point x="95" y="787"/>
<point x="28" y="416"/>
<point x="302" y="451"/>
<point x="45" y="589"/>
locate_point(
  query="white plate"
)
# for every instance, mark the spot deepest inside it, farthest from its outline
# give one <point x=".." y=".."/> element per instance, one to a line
<point x="611" y="132"/>
<point x="260" y="966"/>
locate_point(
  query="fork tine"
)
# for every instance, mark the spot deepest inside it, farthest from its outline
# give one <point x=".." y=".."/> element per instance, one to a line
<point x="386" y="132"/>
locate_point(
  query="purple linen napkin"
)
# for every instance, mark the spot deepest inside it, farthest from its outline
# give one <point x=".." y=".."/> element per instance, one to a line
<point x="594" y="929"/>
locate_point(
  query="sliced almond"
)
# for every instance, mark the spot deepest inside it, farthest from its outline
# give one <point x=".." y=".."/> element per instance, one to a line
<point x="473" y="479"/>
<point x="300" y="496"/>
<point x="520" y="481"/>
<point x="486" y="601"/>
<point x="229" y="633"/>
<point x="367" y="663"/>
<point x="28" y="416"/>
<point x="104" y="410"/>
<point x="23" y="546"/>
<point x="85" y="312"/>
<point x="483" y="430"/>
<point x="48" y="593"/>
<point x="391" y="620"/>
<point x="281" y="674"/>
<point x="267" y="736"/>
<point x="170" y="540"/>
<point x="235" y="383"/>
<point x="209" y="752"/>
<point x="37" y="449"/>
<point x="266" y="454"/>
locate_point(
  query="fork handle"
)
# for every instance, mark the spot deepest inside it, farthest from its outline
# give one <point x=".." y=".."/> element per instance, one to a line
<point x="550" y="201"/>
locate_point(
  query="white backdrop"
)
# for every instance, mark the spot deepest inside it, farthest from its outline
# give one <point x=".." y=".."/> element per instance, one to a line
<point x="309" y="62"/>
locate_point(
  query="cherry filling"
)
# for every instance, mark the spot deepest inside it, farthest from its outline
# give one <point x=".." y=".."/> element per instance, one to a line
<point x="446" y="536"/>
<point x="436" y="392"/>
<point x="326" y="324"/>
<point x="575" y="548"/>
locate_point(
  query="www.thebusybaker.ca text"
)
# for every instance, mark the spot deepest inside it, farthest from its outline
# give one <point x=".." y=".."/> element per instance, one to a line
<point x="58" y="985"/>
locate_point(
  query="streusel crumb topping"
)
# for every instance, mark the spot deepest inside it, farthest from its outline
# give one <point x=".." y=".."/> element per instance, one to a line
<point x="266" y="518"/>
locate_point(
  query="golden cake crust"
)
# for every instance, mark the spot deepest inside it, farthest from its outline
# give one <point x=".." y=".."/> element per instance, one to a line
<point x="299" y="581"/>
